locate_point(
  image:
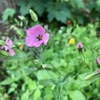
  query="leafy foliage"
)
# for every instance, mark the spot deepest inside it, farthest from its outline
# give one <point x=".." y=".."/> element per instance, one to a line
<point x="77" y="95"/>
<point x="9" y="12"/>
<point x="62" y="10"/>
<point x="54" y="74"/>
<point x="57" y="71"/>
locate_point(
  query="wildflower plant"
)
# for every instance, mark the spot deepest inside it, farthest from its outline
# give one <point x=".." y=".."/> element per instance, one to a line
<point x="72" y="41"/>
<point x="36" y="36"/>
<point x="8" y="47"/>
<point x="41" y="66"/>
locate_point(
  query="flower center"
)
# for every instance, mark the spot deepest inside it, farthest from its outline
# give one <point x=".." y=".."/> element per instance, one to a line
<point x="39" y="37"/>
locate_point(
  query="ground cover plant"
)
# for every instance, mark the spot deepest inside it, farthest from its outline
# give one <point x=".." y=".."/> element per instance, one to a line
<point x="45" y="63"/>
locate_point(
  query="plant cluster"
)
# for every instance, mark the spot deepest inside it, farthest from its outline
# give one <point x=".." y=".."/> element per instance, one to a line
<point x="44" y="64"/>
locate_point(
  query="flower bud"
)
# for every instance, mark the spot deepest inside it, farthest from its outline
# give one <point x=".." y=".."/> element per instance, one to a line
<point x="80" y="47"/>
<point x="19" y="32"/>
<point x="33" y="15"/>
<point x="69" y="22"/>
<point x="21" y="17"/>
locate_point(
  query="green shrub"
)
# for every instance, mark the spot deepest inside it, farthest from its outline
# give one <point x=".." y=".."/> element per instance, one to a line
<point x="82" y="11"/>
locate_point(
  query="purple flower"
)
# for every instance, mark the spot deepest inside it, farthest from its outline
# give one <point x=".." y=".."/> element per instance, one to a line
<point x="8" y="47"/>
<point x="98" y="60"/>
<point x="79" y="45"/>
<point x="36" y="36"/>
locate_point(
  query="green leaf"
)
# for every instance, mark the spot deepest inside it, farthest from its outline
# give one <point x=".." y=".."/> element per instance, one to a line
<point x="6" y="81"/>
<point x="44" y="74"/>
<point x="12" y="88"/>
<point x="77" y="3"/>
<point x="24" y="9"/>
<point x="19" y="32"/>
<point x="76" y="95"/>
<point x="9" y="12"/>
<point x="48" y="97"/>
<point x="91" y="75"/>
<point x="39" y="6"/>
<point x="32" y="85"/>
<point x="25" y="96"/>
<point x="46" y="82"/>
<point x="50" y="17"/>
<point x="2" y="42"/>
<point x="37" y="94"/>
<point x="61" y="13"/>
<point x="3" y="52"/>
<point x="98" y="2"/>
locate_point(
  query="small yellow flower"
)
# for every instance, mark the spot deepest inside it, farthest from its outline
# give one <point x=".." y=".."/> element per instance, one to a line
<point x="72" y="41"/>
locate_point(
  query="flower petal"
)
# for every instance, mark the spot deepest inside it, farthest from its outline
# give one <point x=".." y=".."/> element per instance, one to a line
<point x="9" y="42"/>
<point x="98" y="60"/>
<point x="80" y="45"/>
<point x="31" y="32"/>
<point x="5" y="47"/>
<point x="39" y="29"/>
<point x="37" y="44"/>
<point x="11" y="52"/>
<point x="35" y="31"/>
<point x="45" y="38"/>
<point x="30" y="41"/>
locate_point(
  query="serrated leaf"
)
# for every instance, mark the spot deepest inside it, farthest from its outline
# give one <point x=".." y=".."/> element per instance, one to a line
<point x="50" y="17"/>
<point x="61" y="13"/>
<point x="39" y="7"/>
<point x="24" y="9"/>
